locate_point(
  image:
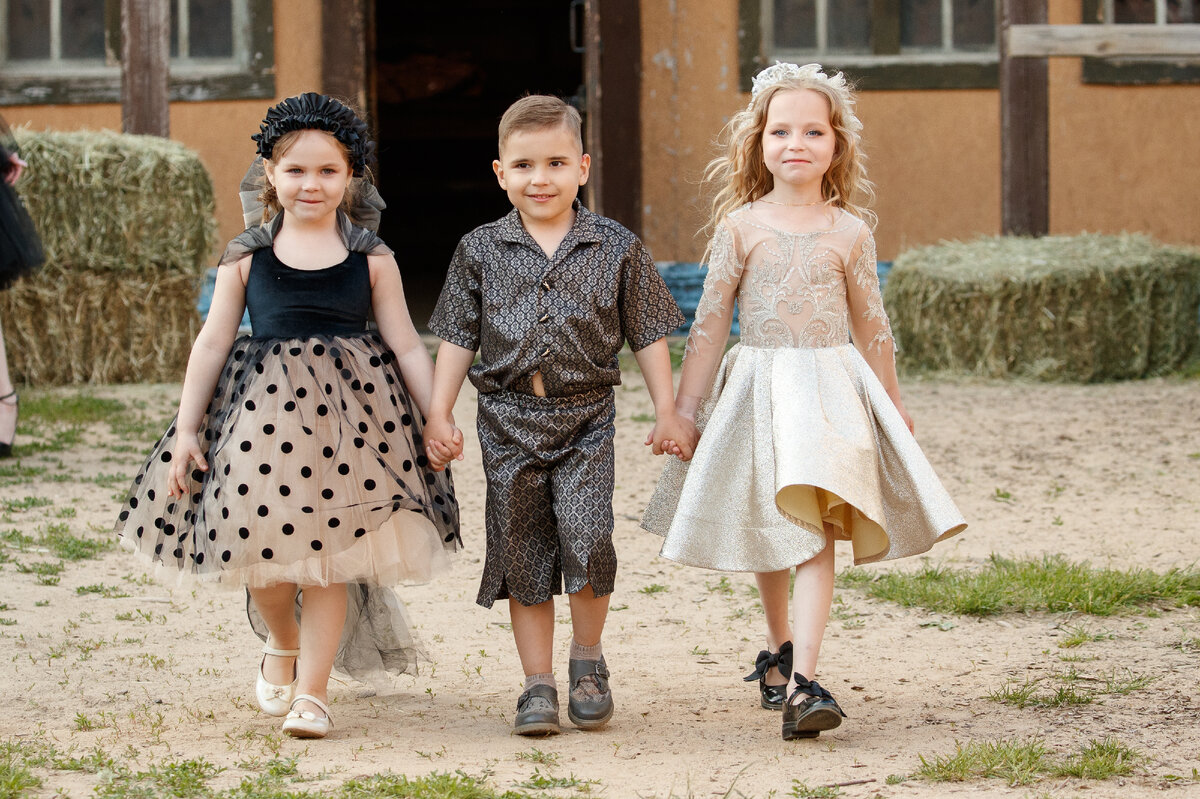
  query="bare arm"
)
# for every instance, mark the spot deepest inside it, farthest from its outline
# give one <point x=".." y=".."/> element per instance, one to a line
<point x="209" y="353"/>
<point x="672" y="433"/>
<point x="396" y="327"/>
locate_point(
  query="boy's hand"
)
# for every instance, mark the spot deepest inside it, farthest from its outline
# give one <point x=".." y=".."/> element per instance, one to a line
<point x="673" y="434"/>
<point x="187" y="450"/>
<point x="443" y="443"/>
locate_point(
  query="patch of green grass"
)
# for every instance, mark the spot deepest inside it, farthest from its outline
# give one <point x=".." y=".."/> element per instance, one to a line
<point x="538" y="756"/>
<point x="1077" y="636"/>
<point x="652" y="589"/>
<point x="59" y="540"/>
<point x="1051" y="584"/>
<point x="1069" y="688"/>
<point x="81" y="408"/>
<point x="433" y="786"/>
<point x="27" y="503"/>
<point x="19" y="474"/>
<point x="106" y="591"/>
<point x="801" y="789"/>
<point x="1099" y="760"/>
<point x="542" y="781"/>
<point x="647" y="418"/>
<point x="1014" y="761"/>
<point x="14" y="538"/>
<point x="853" y="578"/>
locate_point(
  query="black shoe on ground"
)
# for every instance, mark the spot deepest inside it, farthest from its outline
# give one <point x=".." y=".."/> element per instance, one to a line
<point x="537" y="712"/>
<point x="589" y="702"/>
<point x="819" y="711"/>
<point x="771" y="697"/>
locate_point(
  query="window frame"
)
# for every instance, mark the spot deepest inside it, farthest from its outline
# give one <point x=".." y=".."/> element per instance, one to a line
<point x="248" y="74"/>
<point x="885" y="68"/>
<point x="1133" y="71"/>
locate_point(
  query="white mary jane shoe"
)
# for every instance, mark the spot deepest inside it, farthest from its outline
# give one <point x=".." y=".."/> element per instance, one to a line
<point x="274" y="700"/>
<point x="305" y="723"/>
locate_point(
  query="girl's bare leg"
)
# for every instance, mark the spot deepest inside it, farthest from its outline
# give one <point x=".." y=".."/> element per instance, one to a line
<point x="773" y="593"/>
<point x="277" y="606"/>
<point x="321" y="622"/>
<point x="812" y="596"/>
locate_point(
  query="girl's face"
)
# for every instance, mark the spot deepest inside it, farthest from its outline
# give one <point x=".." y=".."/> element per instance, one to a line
<point x="311" y="178"/>
<point x="798" y="141"/>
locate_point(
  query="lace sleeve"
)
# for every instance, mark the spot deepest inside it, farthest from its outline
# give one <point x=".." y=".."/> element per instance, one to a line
<point x="869" y="326"/>
<point x="714" y="316"/>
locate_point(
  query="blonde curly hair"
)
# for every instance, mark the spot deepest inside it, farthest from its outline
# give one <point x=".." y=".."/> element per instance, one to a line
<point x="741" y="174"/>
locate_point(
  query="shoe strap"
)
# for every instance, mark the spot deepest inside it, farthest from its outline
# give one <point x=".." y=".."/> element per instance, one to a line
<point x="12" y="393"/>
<point x="310" y="698"/>
<point x="766" y="660"/>
<point x="283" y="653"/>
<point x="814" y="689"/>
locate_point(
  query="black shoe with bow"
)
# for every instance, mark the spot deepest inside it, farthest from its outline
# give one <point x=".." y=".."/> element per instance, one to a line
<point x="772" y="696"/>
<point x="819" y="711"/>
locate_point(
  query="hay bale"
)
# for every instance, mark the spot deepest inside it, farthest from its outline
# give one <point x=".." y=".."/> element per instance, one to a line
<point x="68" y="326"/>
<point x="105" y="200"/>
<point x="1077" y="308"/>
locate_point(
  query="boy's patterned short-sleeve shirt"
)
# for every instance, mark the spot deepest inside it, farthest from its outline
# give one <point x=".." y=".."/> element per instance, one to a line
<point x="566" y="316"/>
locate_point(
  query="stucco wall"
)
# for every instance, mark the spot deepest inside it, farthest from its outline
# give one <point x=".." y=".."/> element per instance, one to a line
<point x="218" y="131"/>
<point x="1120" y="157"/>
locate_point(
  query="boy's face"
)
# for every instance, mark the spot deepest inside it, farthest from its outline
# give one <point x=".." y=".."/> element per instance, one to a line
<point x="542" y="171"/>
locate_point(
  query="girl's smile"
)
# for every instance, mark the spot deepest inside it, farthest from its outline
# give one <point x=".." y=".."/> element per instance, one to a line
<point x="311" y="178"/>
<point x="798" y="143"/>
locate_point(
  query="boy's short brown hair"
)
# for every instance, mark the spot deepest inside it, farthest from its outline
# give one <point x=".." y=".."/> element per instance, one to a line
<point x="539" y="112"/>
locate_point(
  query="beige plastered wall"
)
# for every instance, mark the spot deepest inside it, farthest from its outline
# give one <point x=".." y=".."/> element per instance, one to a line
<point x="219" y="131"/>
<point x="1120" y="156"/>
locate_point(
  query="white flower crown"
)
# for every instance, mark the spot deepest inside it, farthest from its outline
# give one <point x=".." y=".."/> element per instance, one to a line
<point x="783" y="71"/>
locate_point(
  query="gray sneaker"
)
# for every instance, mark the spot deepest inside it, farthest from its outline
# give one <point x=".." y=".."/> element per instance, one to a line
<point x="589" y="703"/>
<point x="537" y="712"/>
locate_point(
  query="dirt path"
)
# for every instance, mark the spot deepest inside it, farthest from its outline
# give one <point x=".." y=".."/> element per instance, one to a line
<point x="1107" y="474"/>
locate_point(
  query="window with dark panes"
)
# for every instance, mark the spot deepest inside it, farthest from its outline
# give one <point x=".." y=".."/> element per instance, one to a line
<point x="1141" y="69"/>
<point x="63" y="50"/>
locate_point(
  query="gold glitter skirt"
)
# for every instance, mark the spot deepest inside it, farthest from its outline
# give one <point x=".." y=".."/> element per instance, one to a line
<point x="798" y="443"/>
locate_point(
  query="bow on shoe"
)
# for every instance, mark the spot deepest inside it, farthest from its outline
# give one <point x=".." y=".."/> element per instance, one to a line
<point x="813" y="688"/>
<point x="781" y="660"/>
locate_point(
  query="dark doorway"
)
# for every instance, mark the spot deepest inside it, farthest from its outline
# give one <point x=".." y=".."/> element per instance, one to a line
<point x="444" y="73"/>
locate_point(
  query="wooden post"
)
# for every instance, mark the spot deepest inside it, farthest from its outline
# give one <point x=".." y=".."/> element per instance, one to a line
<point x="621" y="127"/>
<point x="347" y="51"/>
<point x="594" y="143"/>
<point x="1024" y="129"/>
<point x="145" y="66"/>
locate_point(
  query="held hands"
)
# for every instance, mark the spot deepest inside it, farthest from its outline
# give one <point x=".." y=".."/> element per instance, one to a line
<point x="187" y="450"/>
<point x="18" y="167"/>
<point x="443" y="442"/>
<point x="673" y="434"/>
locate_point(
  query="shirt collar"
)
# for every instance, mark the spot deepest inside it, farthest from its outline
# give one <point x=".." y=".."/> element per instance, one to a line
<point x="584" y="229"/>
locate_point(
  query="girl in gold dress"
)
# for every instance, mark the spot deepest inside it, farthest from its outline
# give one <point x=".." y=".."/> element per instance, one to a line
<point x="805" y="439"/>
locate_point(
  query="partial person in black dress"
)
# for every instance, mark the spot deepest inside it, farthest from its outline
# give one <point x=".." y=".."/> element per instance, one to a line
<point x="295" y="466"/>
<point x="20" y="254"/>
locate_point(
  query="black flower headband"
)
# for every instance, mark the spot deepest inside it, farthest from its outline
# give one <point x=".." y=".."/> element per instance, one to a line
<point x="312" y="111"/>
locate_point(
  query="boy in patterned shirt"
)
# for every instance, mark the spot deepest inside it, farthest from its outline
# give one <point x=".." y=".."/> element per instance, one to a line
<point x="547" y="295"/>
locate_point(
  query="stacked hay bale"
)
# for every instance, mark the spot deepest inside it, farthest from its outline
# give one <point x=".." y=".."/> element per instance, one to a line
<point x="1077" y="308"/>
<point x="127" y="224"/>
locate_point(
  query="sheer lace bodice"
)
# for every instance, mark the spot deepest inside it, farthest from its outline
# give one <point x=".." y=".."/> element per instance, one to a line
<point x="817" y="289"/>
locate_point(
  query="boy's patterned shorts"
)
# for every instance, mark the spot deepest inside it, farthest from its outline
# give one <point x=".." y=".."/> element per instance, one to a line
<point x="549" y="466"/>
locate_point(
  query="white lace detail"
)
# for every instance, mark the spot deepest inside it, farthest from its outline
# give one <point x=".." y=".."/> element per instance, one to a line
<point x="792" y="289"/>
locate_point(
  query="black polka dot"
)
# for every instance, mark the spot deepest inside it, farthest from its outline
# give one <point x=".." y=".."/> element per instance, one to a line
<point x="284" y="490"/>
<point x="197" y="475"/>
<point x="178" y="552"/>
<point x="288" y="529"/>
<point x="359" y="533"/>
<point x="383" y="447"/>
<point x="124" y="515"/>
<point x="389" y="426"/>
<point x="359" y="442"/>
<point x="315" y="544"/>
<point x="150" y="494"/>
<point x="271" y="389"/>
<point x="322" y="410"/>
<point x="375" y="360"/>
<point x="327" y="493"/>
<point x="334" y="521"/>
<point x="343" y="469"/>
<point x="307" y="509"/>
<point x="422" y="461"/>
<point x="289" y="406"/>
<point x="366" y="409"/>
<point x="199" y="558"/>
<point x="318" y="349"/>
<point x="407" y="466"/>
<point x="285" y="447"/>
<point x="406" y="420"/>
<point x="356" y="385"/>
<point x="267" y="554"/>
<point x="269" y="429"/>
<point x="243" y="489"/>
<point x="245" y="446"/>
<point x="263" y="510"/>
<point x="305" y="471"/>
<point x="249" y="405"/>
<point x="368" y="388"/>
<point x="301" y="392"/>
<point x="224" y="513"/>
<point x="369" y="485"/>
<point x="264" y="468"/>
<point x="327" y="452"/>
<point x="244" y="533"/>
<point x="165" y="457"/>
<point x="226" y="555"/>
<point x="212" y="535"/>
<point x="294" y="351"/>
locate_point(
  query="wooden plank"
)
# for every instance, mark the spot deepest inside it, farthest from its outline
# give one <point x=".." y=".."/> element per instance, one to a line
<point x="1024" y="129"/>
<point x="145" y="66"/>
<point x="1103" y="40"/>
<point x="344" y="70"/>
<point x="621" y="126"/>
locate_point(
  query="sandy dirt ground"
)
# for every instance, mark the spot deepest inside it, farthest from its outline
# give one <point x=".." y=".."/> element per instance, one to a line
<point x="1109" y="474"/>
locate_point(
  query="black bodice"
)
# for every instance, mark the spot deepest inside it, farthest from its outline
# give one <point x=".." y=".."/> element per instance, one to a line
<point x="296" y="303"/>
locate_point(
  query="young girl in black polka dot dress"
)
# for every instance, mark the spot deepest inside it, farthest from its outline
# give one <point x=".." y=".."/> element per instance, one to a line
<point x="295" y="466"/>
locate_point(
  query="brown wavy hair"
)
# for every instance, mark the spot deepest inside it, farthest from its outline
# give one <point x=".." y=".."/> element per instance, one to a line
<point x="740" y="174"/>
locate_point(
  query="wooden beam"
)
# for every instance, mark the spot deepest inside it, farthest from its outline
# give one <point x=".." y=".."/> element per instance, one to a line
<point x="594" y="142"/>
<point x="1026" y="41"/>
<point x="621" y="125"/>
<point x="344" y="51"/>
<point x="145" y="66"/>
<point x="1024" y="128"/>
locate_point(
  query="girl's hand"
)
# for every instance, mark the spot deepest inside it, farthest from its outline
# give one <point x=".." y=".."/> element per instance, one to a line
<point x="18" y="166"/>
<point x="443" y="443"/>
<point x="673" y="434"/>
<point x="187" y="450"/>
<point x="912" y="428"/>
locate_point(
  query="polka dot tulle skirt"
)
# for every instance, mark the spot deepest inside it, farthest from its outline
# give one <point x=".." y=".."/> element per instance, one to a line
<point x="317" y="474"/>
